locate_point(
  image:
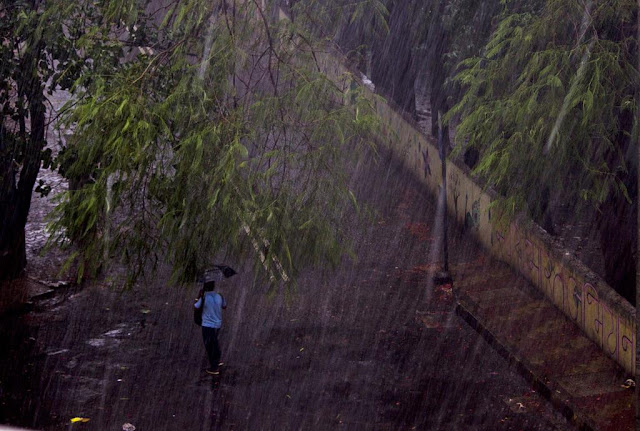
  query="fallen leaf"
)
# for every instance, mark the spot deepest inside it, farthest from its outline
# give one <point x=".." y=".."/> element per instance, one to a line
<point x="77" y="419"/>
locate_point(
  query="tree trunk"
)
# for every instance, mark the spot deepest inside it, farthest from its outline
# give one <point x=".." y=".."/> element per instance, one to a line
<point x="12" y="251"/>
<point x="15" y="199"/>
<point x="394" y="65"/>
<point x="617" y="228"/>
<point x="13" y="256"/>
<point x="637" y="142"/>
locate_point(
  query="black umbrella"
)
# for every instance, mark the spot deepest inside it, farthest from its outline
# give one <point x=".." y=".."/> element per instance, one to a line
<point x="217" y="273"/>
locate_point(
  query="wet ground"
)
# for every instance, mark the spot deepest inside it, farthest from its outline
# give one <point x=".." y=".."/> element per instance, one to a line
<point x="371" y="345"/>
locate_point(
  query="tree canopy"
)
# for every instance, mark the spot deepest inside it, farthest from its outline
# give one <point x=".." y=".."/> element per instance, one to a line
<point x="198" y="129"/>
<point x="550" y="106"/>
<point x="551" y="97"/>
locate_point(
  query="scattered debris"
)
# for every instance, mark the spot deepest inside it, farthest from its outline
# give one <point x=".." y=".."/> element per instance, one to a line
<point x="96" y="342"/>
<point x="57" y="352"/>
<point x="629" y="383"/>
<point x="367" y="82"/>
<point x="113" y="333"/>
<point x="43" y="295"/>
<point x="435" y="319"/>
<point x="79" y="419"/>
<point x="52" y="284"/>
<point x="516" y="405"/>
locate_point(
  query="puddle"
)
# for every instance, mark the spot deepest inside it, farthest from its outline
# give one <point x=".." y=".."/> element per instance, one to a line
<point x="111" y="338"/>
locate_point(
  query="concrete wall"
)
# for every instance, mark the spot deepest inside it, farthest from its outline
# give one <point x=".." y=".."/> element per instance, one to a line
<point x="584" y="297"/>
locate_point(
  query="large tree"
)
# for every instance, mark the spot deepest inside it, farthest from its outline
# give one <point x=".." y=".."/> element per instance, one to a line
<point x="28" y="50"/>
<point x="198" y="128"/>
<point x="549" y="106"/>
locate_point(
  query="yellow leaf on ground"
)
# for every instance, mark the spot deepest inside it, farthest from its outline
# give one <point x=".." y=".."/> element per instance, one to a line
<point x="74" y="420"/>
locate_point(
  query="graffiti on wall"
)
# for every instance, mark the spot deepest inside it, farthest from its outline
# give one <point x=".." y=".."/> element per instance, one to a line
<point x="426" y="160"/>
<point x="454" y="187"/>
<point x="471" y="215"/>
<point x="578" y="299"/>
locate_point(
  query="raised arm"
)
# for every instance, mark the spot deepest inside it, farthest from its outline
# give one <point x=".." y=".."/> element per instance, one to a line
<point x="198" y="302"/>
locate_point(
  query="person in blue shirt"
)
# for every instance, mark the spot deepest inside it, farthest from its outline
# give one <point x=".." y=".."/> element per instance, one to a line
<point x="214" y="303"/>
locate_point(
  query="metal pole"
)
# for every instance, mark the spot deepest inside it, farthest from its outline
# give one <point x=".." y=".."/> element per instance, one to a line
<point x="443" y="277"/>
<point x="637" y="143"/>
<point x="443" y="158"/>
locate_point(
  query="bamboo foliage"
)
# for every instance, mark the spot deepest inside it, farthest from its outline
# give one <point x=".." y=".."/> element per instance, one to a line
<point x="221" y="125"/>
<point x="550" y="99"/>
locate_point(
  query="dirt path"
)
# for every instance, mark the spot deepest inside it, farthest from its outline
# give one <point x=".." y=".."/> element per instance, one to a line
<point x="371" y="345"/>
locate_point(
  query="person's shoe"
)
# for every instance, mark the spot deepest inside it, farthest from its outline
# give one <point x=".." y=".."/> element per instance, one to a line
<point x="220" y="364"/>
<point x="213" y="372"/>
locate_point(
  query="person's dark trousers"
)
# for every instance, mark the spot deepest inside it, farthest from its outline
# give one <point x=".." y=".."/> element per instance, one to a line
<point x="211" y="345"/>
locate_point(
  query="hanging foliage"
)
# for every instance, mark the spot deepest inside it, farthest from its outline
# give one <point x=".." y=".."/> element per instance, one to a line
<point x="550" y="101"/>
<point x="212" y="131"/>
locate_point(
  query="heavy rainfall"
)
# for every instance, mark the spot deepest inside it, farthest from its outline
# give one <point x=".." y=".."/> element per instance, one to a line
<point x="319" y="214"/>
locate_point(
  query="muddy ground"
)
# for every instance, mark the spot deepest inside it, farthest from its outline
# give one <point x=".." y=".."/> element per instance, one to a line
<point x="371" y="345"/>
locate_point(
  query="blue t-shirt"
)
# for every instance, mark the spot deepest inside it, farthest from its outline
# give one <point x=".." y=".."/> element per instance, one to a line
<point x="212" y="313"/>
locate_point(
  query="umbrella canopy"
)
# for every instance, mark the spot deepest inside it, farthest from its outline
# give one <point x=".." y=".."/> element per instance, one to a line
<point x="217" y="273"/>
